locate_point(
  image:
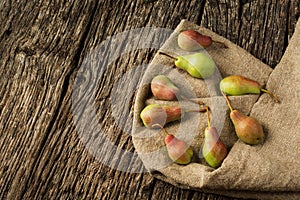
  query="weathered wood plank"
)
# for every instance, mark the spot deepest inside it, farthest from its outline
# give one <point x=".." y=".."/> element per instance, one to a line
<point x="42" y="46"/>
<point x="261" y="27"/>
<point x="39" y="45"/>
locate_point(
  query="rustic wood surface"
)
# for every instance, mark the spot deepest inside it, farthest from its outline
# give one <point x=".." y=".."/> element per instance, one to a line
<point x="42" y="46"/>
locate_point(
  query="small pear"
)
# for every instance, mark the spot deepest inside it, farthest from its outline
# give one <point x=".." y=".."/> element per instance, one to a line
<point x="191" y="40"/>
<point x="247" y="128"/>
<point x="239" y="85"/>
<point x="178" y="150"/>
<point x="162" y="114"/>
<point x="164" y="89"/>
<point x="213" y="149"/>
<point x="198" y="65"/>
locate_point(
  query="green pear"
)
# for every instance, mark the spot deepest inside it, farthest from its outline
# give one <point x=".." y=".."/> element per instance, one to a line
<point x="247" y="128"/>
<point x="198" y="65"/>
<point x="213" y="149"/>
<point x="239" y="85"/>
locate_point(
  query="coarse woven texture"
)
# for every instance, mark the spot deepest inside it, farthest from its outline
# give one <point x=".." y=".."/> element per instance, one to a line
<point x="266" y="171"/>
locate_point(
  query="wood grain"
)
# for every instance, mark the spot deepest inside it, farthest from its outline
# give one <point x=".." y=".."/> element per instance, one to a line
<point x="42" y="47"/>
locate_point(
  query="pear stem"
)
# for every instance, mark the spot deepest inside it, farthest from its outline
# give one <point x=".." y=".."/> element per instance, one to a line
<point x="227" y="100"/>
<point x="191" y="100"/>
<point x="271" y="94"/>
<point x="168" y="55"/>
<point x="221" y="43"/>
<point x="160" y="126"/>
<point x="208" y="116"/>
<point x="200" y="110"/>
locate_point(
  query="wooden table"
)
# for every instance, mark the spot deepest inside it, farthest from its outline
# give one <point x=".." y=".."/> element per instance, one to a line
<point x="42" y="47"/>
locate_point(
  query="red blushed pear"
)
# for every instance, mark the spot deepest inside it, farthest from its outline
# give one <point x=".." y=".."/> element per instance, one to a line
<point x="178" y="150"/>
<point x="164" y="89"/>
<point x="162" y="114"/>
<point x="191" y="40"/>
<point x="248" y="129"/>
<point x="213" y="149"/>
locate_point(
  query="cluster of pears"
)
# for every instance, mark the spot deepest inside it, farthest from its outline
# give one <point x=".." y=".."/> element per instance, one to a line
<point x="163" y="88"/>
<point x="247" y="128"/>
<point x="158" y="115"/>
<point x="200" y="65"/>
<point x="213" y="150"/>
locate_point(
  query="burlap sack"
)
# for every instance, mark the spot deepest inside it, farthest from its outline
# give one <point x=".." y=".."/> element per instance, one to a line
<point x="266" y="171"/>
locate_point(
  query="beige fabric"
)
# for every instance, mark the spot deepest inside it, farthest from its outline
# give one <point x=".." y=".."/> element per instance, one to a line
<point x="269" y="170"/>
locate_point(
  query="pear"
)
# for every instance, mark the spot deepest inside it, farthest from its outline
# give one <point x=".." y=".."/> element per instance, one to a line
<point x="213" y="149"/>
<point x="164" y="89"/>
<point x="239" y="85"/>
<point x="247" y="128"/>
<point x="178" y="150"/>
<point x="191" y="40"/>
<point x="198" y="65"/>
<point x="162" y="114"/>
